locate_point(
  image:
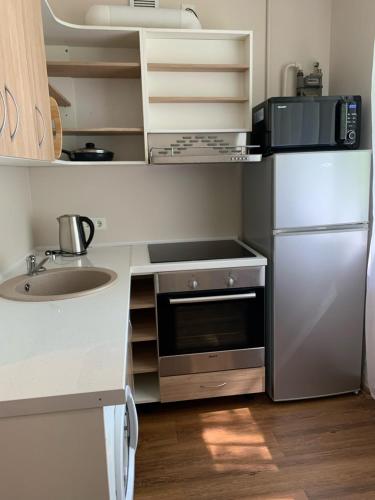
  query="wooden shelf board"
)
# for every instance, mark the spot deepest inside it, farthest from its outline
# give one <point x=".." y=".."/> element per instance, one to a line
<point x="103" y="131"/>
<point x="192" y="99"/>
<point x="145" y="358"/>
<point x="87" y="69"/>
<point x="144" y="329"/>
<point x="232" y="68"/>
<point x="142" y="294"/>
<point x="59" y="97"/>
<point x="146" y="388"/>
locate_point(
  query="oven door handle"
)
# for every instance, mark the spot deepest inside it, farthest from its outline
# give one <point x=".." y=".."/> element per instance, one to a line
<point x="214" y="298"/>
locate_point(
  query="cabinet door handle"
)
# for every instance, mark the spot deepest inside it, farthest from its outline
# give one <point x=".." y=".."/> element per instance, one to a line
<point x="8" y="91"/>
<point x="43" y="124"/>
<point x="4" y="112"/>
<point x="213" y="386"/>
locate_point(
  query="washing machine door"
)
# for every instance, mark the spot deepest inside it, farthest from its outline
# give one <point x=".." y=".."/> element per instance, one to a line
<point x="126" y="440"/>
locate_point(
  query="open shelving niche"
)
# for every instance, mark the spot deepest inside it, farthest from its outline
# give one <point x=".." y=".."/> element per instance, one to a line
<point x="197" y="81"/>
<point x="144" y="340"/>
<point x="97" y="71"/>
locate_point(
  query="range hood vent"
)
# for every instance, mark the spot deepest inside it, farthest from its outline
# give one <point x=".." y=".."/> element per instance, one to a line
<point x="144" y="3"/>
<point x="228" y="147"/>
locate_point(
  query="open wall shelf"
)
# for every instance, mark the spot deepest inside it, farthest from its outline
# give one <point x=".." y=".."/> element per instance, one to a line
<point x="59" y="97"/>
<point x="193" y="99"/>
<point x="210" y="88"/>
<point x="103" y="131"/>
<point x="88" y="69"/>
<point x="206" y="68"/>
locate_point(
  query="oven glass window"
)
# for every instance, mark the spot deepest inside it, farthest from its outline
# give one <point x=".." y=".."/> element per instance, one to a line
<point x="210" y="326"/>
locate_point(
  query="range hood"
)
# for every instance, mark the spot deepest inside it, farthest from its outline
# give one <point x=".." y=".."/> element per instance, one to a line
<point x="221" y="147"/>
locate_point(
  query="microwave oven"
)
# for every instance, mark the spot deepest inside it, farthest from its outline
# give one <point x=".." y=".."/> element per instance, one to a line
<point x="307" y="123"/>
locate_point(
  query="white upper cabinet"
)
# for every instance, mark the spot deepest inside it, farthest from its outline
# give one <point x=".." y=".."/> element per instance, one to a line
<point x="197" y="80"/>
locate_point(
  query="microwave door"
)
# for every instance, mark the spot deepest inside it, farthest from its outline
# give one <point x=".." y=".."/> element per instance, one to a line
<point x="294" y="124"/>
<point x="303" y="124"/>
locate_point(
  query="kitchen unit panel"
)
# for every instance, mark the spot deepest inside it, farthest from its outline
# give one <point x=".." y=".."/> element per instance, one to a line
<point x="321" y="189"/>
<point x="318" y="296"/>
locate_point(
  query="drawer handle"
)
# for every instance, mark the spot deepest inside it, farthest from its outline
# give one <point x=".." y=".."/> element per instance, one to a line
<point x="13" y="134"/>
<point x="213" y="386"/>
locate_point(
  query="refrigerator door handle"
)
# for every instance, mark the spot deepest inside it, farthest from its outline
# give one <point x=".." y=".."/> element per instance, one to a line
<point x="312" y="229"/>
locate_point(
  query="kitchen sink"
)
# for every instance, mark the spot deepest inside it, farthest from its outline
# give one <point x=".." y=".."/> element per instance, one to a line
<point x="57" y="284"/>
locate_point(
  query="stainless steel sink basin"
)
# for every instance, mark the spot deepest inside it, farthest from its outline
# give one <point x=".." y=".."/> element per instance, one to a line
<point x="57" y="284"/>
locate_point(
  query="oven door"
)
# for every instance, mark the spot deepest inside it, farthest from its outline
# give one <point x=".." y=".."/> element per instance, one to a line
<point x="210" y="330"/>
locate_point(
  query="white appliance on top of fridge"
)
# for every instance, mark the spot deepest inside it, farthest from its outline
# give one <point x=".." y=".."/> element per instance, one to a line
<point x="308" y="213"/>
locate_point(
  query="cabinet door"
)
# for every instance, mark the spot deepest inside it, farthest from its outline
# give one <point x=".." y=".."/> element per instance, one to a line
<point x="3" y="111"/>
<point x="36" y="57"/>
<point x="20" y="130"/>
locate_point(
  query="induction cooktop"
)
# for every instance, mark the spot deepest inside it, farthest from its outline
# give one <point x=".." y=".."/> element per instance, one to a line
<point x="197" y="250"/>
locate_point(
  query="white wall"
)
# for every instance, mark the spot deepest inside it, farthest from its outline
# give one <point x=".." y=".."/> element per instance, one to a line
<point x="140" y="203"/>
<point x="353" y="34"/>
<point x="15" y="220"/>
<point x="300" y="31"/>
<point x="143" y="203"/>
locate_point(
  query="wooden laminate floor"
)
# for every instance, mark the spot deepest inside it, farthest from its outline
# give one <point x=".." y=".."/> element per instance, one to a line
<point x="248" y="447"/>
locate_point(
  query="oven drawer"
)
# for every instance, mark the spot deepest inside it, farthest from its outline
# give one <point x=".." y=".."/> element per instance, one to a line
<point x="213" y="384"/>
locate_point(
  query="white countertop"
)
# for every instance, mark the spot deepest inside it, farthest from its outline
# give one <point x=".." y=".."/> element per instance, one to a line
<point x="71" y="354"/>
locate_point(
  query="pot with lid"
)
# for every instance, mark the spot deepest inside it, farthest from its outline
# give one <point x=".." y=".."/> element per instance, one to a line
<point x="89" y="153"/>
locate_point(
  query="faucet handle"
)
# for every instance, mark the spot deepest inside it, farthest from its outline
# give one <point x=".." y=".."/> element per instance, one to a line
<point x="30" y="263"/>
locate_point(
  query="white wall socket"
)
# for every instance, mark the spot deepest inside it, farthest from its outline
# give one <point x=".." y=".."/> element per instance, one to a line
<point x="99" y="223"/>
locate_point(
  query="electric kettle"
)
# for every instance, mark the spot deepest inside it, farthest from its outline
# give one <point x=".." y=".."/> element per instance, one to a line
<point x="72" y="236"/>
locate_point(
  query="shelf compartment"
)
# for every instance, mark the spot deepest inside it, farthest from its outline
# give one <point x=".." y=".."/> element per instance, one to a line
<point x="103" y="131"/>
<point x="192" y="99"/>
<point x="146" y="388"/>
<point x="59" y="97"/>
<point x="142" y="295"/>
<point x="145" y="358"/>
<point x="144" y="325"/>
<point x="232" y="68"/>
<point x="87" y="69"/>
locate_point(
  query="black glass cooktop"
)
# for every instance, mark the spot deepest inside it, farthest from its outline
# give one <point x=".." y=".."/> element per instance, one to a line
<point x="197" y="250"/>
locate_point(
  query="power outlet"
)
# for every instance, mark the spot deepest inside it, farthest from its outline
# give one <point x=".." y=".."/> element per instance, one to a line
<point x="100" y="223"/>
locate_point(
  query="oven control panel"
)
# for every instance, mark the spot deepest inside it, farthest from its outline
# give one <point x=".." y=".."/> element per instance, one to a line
<point x="215" y="279"/>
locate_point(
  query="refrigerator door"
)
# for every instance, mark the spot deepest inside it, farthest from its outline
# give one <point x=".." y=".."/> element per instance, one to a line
<point x="318" y="310"/>
<point x="321" y="188"/>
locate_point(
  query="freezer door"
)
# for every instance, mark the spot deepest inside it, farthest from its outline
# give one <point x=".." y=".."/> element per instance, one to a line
<point x="318" y="313"/>
<point x="321" y="188"/>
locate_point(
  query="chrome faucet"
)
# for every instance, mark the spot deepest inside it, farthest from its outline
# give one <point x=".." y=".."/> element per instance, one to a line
<point x="33" y="267"/>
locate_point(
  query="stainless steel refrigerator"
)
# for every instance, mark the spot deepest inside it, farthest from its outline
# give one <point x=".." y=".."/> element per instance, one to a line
<point x="308" y="213"/>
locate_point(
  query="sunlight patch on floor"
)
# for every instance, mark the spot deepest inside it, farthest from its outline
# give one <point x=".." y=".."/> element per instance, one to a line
<point x="235" y="442"/>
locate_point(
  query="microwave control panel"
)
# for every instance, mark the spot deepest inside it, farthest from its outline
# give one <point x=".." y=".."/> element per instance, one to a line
<point x="349" y="123"/>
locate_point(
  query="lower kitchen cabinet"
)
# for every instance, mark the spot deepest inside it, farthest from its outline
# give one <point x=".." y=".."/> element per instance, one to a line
<point x="60" y="456"/>
<point x="149" y="386"/>
<point x="212" y="384"/>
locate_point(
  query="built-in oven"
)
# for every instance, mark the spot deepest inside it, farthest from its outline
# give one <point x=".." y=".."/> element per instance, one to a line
<point x="210" y="320"/>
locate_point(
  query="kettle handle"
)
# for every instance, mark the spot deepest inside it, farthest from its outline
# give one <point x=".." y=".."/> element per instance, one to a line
<point x="92" y="230"/>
